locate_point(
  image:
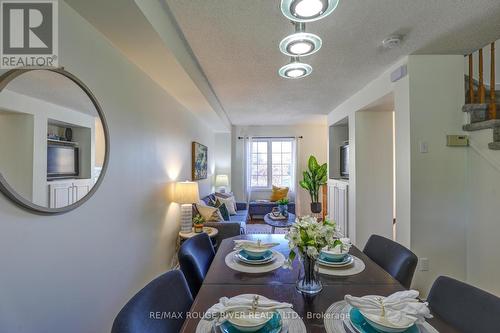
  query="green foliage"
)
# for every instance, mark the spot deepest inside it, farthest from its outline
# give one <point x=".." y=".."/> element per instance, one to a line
<point x="314" y="178"/>
<point x="283" y="201"/>
<point x="337" y="242"/>
<point x="198" y="219"/>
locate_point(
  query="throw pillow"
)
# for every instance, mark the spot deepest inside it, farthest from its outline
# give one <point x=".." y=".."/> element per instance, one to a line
<point x="230" y="204"/>
<point x="223" y="210"/>
<point x="228" y="195"/>
<point x="215" y="202"/>
<point x="279" y="193"/>
<point x="210" y="214"/>
<point x="224" y="195"/>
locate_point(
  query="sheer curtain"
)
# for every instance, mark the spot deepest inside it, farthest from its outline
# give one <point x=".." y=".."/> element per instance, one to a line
<point x="247" y="181"/>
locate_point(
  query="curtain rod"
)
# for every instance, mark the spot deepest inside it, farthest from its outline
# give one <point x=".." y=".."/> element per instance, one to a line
<point x="271" y="137"/>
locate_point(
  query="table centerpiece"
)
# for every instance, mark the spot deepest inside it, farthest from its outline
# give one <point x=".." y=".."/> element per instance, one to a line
<point x="306" y="238"/>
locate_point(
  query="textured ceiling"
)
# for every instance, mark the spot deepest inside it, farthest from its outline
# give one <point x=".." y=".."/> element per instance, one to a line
<point x="53" y="88"/>
<point x="236" y="44"/>
<point x="147" y="35"/>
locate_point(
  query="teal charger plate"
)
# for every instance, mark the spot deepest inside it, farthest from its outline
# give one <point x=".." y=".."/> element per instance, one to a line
<point x="272" y="326"/>
<point x="325" y="259"/>
<point x="359" y="322"/>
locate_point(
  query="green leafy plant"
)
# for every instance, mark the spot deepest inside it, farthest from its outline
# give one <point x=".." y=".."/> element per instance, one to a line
<point x="283" y="201"/>
<point x="314" y="177"/>
<point x="308" y="236"/>
<point x="198" y="219"/>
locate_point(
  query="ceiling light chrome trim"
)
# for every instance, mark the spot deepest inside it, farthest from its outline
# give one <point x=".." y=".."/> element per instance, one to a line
<point x="295" y="65"/>
<point x="288" y="8"/>
<point x="301" y="37"/>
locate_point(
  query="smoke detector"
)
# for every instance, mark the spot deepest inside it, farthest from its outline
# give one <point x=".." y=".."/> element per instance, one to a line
<point x="392" y="42"/>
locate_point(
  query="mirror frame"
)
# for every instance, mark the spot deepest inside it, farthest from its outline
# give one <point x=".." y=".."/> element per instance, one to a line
<point x="12" y="194"/>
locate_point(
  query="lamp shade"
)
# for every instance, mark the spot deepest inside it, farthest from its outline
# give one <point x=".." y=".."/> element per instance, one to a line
<point x="221" y="180"/>
<point x="186" y="192"/>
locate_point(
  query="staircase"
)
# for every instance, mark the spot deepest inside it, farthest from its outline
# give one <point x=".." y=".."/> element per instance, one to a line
<point x="481" y="108"/>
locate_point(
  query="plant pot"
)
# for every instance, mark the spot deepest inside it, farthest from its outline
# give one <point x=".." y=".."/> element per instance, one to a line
<point x="316" y="207"/>
<point x="283" y="209"/>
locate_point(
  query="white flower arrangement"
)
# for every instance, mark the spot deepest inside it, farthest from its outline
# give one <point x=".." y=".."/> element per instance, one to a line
<point x="341" y="245"/>
<point x="308" y="236"/>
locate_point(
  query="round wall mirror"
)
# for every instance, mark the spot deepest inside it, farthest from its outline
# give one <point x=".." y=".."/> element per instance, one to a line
<point x="54" y="141"/>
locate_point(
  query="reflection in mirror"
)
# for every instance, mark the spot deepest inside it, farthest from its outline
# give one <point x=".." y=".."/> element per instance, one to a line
<point x="52" y="140"/>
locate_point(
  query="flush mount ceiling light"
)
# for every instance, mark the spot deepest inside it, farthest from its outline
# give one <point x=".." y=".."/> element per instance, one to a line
<point x="300" y="44"/>
<point x="392" y="42"/>
<point x="295" y="70"/>
<point x="307" y="10"/>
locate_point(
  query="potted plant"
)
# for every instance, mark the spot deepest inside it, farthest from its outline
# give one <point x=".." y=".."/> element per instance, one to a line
<point x="306" y="238"/>
<point x="283" y="206"/>
<point x="198" y="221"/>
<point x="314" y="178"/>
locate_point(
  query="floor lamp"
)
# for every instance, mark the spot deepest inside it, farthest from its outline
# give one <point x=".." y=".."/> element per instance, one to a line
<point x="186" y="193"/>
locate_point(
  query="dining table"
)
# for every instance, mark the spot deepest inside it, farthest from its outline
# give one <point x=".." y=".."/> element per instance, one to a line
<point x="279" y="285"/>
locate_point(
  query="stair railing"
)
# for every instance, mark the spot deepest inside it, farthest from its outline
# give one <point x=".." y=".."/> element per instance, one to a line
<point x="471" y="79"/>
<point x="493" y="106"/>
<point x="481" y="92"/>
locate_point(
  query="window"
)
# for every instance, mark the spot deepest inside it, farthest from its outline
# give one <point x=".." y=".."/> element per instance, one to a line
<point x="272" y="163"/>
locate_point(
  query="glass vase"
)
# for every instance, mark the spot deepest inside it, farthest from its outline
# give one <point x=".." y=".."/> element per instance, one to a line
<point x="308" y="282"/>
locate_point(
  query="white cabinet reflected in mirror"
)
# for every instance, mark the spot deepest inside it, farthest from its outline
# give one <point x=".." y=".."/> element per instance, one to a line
<point x="54" y="142"/>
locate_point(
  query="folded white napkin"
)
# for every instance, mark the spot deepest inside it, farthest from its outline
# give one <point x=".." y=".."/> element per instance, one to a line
<point x="243" y="243"/>
<point x="399" y="309"/>
<point x="242" y="303"/>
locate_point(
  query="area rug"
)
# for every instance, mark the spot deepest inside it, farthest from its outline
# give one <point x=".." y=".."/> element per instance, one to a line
<point x="263" y="229"/>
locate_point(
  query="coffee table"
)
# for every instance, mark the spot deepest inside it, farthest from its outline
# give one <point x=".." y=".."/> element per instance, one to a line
<point x="285" y="223"/>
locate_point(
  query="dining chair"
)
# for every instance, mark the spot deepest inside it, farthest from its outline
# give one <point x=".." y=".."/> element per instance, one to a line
<point x="394" y="258"/>
<point x="148" y="311"/>
<point x="467" y="308"/>
<point x="195" y="257"/>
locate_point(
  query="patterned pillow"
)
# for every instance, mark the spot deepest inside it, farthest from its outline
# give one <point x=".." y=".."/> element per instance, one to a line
<point x="223" y="210"/>
<point x="230" y="204"/>
<point x="210" y="214"/>
<point x="222" y="207"/>
<point x="228" y="195"/>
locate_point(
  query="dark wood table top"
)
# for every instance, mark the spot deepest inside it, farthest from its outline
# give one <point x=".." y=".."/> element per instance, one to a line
<point x="280" y="285"/>
<point x="219" y="273"/>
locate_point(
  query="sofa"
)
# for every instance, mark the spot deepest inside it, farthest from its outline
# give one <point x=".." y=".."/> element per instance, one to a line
<point x="234" y="227"/>
<point x="261" y="208"/>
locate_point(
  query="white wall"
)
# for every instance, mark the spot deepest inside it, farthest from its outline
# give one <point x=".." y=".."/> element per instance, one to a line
<point x="222" y="156"/>
<point x="483" y="213"/>
<point x="374" y="175"/>
<point x="73" y="272"/>
<point x="438" y="187"/>
<point x="430" y="188"/>
<point x="314" y="142"/>
<point x="16" y="151"/>
<point x="370" y="94"/>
